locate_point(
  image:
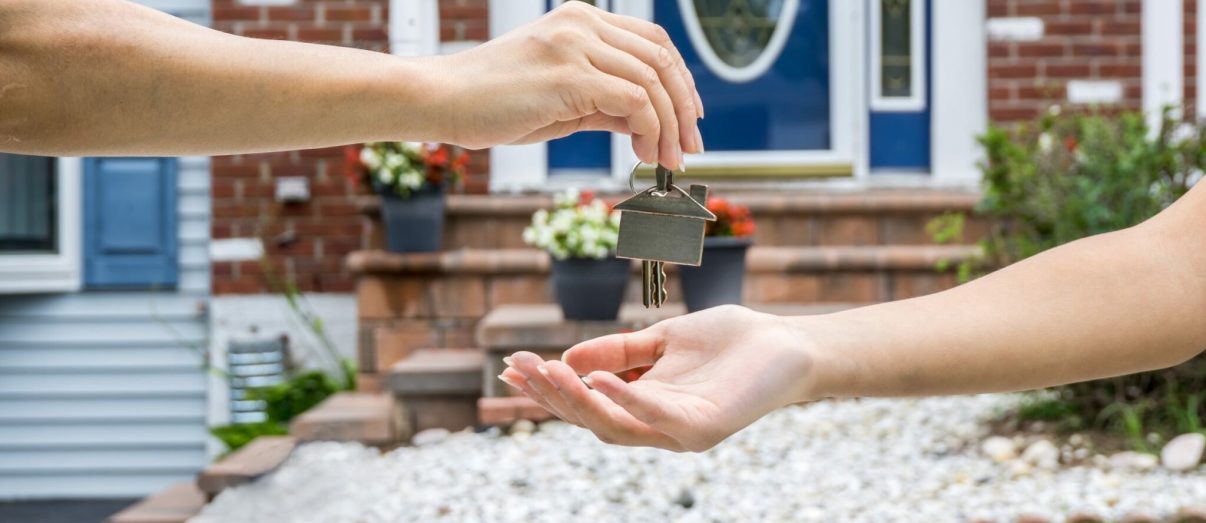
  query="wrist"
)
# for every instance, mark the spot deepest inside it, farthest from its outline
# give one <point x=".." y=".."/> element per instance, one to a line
<point x="412" y="100"/>
<point x="815" y="358"/>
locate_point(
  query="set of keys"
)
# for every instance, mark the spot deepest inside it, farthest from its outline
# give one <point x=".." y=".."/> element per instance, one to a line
<point x="663" y="224"/>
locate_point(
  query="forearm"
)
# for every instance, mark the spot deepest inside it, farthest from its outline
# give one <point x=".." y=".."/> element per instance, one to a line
<point x="1114" y="304"/>
<point x="102" y="77"/>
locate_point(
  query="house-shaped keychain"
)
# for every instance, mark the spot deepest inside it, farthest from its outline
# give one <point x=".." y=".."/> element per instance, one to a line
<point x="664" y="223"/>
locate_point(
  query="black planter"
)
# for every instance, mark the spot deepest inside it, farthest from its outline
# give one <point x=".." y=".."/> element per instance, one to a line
<point x="414" y="224"/>
<point x="590" y="290"/>
<point x="718" y="279"/>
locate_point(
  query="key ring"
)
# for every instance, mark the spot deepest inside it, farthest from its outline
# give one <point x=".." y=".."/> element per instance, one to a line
<point x="632" y="177"/>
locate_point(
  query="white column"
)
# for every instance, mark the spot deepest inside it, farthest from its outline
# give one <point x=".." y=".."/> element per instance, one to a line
<point x="414" y="27"/>
<point x="959" y="110"/>
<point x="516" y="167"/>
<point x="1163" y="57"/>
<point x="1200" y="54"/>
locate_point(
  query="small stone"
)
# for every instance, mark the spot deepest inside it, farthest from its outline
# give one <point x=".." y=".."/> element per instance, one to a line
<point x="1076" y="440"/>
<point x="1019" y="468"/>
<point x="1191" y="514"/>
<point x="523" y="426"/>
<point x="1042" y="454"/>
<point x="1032" y="518"/>
<point x="685" y="499"/>
<point x="1139" y="517"/>
<point x="1084" y="517"/>
<point x="1183" y="452"/>
<point x="999" y="449"/>
<point x="1130" y="460"/>
<point x="429" y="437"/>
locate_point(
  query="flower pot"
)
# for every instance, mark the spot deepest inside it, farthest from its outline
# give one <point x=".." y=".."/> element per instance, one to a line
<point x="718" y="279"/>
<point x="590" y="290"/>
<point x="414" y="224"/>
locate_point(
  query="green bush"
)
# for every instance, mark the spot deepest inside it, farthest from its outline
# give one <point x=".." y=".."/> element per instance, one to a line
<point x="1067" y="176"/>
<point x="283" y="402"/>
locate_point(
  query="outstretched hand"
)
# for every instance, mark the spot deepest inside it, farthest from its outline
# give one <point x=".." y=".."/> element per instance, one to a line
<point x="577" y="68"/>
<point x="713" y="373"/>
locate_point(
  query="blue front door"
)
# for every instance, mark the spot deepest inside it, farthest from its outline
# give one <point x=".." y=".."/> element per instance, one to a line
<point x="762" y="68"/>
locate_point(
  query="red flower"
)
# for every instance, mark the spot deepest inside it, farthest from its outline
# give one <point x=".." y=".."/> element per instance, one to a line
<point x="352" y="168"/>
<point x="437" y="156"/>
<point x="585" y="197"/>
<point x="1070" y="144"/>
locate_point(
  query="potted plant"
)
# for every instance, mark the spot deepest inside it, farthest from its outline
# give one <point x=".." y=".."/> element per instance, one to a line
<point x="718" y="279"/>
<point x="412" y="179"/>
<point x="580" y="234"/>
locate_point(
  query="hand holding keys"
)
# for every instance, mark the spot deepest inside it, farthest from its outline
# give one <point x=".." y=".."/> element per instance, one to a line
<point x="663" y="224"/>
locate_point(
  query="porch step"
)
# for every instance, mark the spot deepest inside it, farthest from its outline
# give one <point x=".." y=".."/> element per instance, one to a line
<point x="263" y="455"/>
<point x="509" y="409"/>
<point x="792" y="217"/>
<point x="175" y="504"/>
<point x="437" y="388"/>
<point x="371" y="419"/>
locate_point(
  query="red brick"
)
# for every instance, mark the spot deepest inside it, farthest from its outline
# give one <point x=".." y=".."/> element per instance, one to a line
<point x="236" y="13"/>
<point x="266" y="33"/>
<point x="1092" y="7"/>
<point x="292" y="13"/>
<point x="313" y="34"/>
<point x="1039" y="49"/>
<point x="348" y="13"/>
<point x="1038" y="8"/>
<point x="1069" y="70"/>
<point x="1013" y="71"/>
<point x="1068" y="27"/>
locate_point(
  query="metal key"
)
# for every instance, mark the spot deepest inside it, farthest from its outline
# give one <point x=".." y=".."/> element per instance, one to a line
<point x="662" y="224"/>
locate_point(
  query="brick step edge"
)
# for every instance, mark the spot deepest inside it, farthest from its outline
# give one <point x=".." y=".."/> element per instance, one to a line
<point x="175" y="504"/>
<point x="263" y="455"/>
<point x="509" y="409"/>
<point x="368" y="418"/>
<point x="760" y="203"/>
<point x="759" y="259"/>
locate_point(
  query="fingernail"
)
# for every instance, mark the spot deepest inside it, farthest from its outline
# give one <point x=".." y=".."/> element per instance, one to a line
<point x="587" y="380"/>
<point x="510" y="362"/>
<point x="699" y="140"/>
<point x="544" y="371"/>
<point x="682" y="162"/>
<point x="509" y="382"/>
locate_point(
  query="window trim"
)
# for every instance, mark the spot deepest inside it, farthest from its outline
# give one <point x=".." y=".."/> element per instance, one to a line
<point x="59" y="272"/>
<point x="916" y="99"/>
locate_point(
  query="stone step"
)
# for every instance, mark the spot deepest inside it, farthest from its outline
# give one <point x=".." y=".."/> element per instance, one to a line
<point x="175" y="504"/>
<point x="509" y="409"/>
<point x="437" y="388"/>
<point x="465" y="284"/>
<point x="263" y="455"/>
<point x="371" y="419"/>
<point x="794" y="217"/>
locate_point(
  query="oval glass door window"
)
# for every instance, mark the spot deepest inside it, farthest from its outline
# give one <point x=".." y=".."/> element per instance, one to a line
<point x="738" y="40"/>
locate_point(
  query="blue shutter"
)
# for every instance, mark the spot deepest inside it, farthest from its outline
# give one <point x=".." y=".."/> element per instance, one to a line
<point x="130" y="222"/>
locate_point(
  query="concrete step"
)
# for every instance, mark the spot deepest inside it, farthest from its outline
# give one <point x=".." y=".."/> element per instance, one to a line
<point x="509" y="409"/>
<point x="175" y="504"/>
<point x="371" y="419"/>
<point x="437" y="388"/>
<point x="263" y="455"/>
<point x="793" y="217"/>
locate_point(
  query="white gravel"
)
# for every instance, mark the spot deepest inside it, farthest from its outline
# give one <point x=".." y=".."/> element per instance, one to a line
<point x="854" y="460"/>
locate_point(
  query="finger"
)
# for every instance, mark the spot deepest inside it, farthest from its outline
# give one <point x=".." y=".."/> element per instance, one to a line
<point x="659" y="36"/>
<point x="602" y="416"/>
<point x="682" y="96"/>
<point x="594" y="122"/>
<point x="516" y="380"/>
<point x="642" y="404"/>
<point x="616" y="352"/>
<point x="531" y="365"/>
<point x="616" y="96"/>
<point x="618" y="63"/>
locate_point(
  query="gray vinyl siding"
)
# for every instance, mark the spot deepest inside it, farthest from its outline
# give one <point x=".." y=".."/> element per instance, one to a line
<point x="102" y="394"/>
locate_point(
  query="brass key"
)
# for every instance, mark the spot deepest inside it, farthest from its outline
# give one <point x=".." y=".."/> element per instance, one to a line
<point x="662" y="224"/>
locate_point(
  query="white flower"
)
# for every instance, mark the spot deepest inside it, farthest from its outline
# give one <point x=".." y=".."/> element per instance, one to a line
<point x="385" y="175"/>
<point x="1054" y="110"/>
<point x="1182" y="133"/>
<point x="1045" y="141"/>
<point x="369" y="158"/>
<point x="411" y="180"/>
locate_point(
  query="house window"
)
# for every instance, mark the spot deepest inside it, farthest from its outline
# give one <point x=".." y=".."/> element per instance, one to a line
<point x="897" y="55"/>
<point x="27" y="205"/>
<point x="39" y="224"/>
<point x="738" y="30"/>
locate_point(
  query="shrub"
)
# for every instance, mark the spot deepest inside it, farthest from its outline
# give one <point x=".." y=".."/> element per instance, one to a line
<point x="1067" y="176"/>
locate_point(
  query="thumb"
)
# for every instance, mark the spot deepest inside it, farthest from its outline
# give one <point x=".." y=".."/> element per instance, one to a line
<point x="616" y="352"/>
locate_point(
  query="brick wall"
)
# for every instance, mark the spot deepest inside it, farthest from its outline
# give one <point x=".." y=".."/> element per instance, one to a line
<point x="1081" y="40"/>
<point x="307" y="242"/>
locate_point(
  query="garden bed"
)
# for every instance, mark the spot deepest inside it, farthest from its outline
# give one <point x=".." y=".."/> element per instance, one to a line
<point x="852" y="460"/>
